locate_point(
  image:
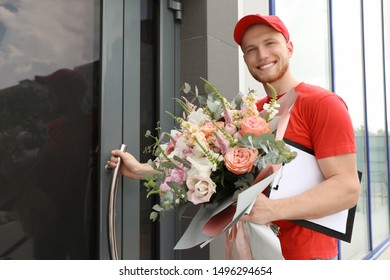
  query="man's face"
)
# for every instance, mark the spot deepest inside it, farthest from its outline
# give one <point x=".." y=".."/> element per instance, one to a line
<point x="266" y="53"/>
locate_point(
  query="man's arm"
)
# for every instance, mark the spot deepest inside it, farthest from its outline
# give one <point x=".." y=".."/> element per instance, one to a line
<point x="131" y="168"/>
<point x="339" y="191"/>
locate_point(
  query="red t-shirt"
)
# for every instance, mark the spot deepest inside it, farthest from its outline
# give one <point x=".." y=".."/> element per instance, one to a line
<point x="319" y="121"/>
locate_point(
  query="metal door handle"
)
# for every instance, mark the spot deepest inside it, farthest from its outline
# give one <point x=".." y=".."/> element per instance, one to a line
<point x="111" y="208"/>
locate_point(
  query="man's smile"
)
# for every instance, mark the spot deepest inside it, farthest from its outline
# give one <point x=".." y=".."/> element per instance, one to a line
<point x="266" y="66"/>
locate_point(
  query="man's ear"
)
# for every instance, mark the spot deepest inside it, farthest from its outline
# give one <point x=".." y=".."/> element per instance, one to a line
<point x="290" y="48"/>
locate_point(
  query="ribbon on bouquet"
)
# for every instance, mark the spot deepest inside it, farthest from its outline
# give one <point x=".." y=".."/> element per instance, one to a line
<point x="237" y="234"/>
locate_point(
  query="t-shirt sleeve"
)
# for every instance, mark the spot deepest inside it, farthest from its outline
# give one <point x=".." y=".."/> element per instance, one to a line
<point x="332" y="129"/>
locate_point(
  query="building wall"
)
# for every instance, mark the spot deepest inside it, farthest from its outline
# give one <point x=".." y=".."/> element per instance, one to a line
<point x="207" y="46"/>
<point x="351" y="59"/>
<point x="208" y="50"/>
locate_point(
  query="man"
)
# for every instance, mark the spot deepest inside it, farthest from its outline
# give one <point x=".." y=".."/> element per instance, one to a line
<point x="319" y="121"/>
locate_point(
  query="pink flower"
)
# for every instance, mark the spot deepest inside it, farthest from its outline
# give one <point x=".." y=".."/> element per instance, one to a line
<point x="164" y="186"/>
<point x="208" y="129"/>
<point x="172" y="143"/>
<point x="240" y="160"/>
<point x="230" y="128"/>
<point x="179" y="175"/>
<point x="254" y="125"/>
<point x="200" y="189"/>
<point x="176" y="175"/>
<point x="221" y="142"/>
<point x="170" y="147"/>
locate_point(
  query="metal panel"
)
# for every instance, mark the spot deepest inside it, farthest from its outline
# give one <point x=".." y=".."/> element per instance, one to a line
<point x="111" y="104"/>
<point x="120" y="113"/>
<point x="168" y="69"/>
<point x="131" y="127"/>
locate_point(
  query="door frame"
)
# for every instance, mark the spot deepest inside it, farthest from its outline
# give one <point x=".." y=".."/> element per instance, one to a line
<point x="120" y="106"/>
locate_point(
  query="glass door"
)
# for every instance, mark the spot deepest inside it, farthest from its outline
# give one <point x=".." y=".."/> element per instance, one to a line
<point x="49" y="123"/>
<point x="139" y="82"/>
<point x="78" y="79"/>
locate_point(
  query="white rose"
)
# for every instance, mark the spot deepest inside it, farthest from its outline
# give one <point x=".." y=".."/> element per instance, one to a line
<point x="200" y="189"/>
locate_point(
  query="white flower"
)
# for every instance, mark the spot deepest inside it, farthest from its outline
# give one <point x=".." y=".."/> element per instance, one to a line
<point x="271" y="109"/>
<point x="198" y="117"/>
<point x="200" y="189"/>
<point x="181" y="149"/>
<point x="197" y="151"/>
<point x="200" y="166"/>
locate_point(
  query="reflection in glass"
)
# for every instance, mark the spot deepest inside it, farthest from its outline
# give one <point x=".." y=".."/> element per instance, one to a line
<point x="346" y="85"/>
<point x="49" y="86"/>
<point x="148" y="119"/>
<point x="376" y="120"/>
<point x="386" y="31"/>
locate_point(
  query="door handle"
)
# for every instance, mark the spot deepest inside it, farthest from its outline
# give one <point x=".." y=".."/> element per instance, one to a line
<point x="112" y="207"/>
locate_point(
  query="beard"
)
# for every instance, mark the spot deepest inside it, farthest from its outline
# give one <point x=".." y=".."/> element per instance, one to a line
<point x="273" y="78"/>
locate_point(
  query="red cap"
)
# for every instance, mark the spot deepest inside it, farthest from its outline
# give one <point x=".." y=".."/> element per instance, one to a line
<point x="64" y="78"/>
<point x="244" y="23"/>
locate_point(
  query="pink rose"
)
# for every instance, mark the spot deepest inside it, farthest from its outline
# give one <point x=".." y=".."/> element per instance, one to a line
<point x="240" y="160"/>
<point x="254" y="125"/>
<point x="200" y="189"/>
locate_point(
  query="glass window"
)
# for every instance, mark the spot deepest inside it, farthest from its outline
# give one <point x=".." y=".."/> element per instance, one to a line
<point x="349" y="84"/>
<point x="307" y="22"/>
<point x="375" y="97"/>
<point x="386" y="25"/>
<point x="49" y="88"/>
<point x="148" y="249"/>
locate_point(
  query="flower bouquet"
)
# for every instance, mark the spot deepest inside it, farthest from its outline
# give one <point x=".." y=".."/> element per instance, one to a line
<point x="215" y="154"/>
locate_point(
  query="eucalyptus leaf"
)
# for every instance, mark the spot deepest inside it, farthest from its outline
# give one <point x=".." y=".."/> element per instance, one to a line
<point x="169" y="196"/>
<point x="186" y="88"/>
<point x="175" y="186"/>
<point x="202" y="100"/>
<point x="186" y="163"/>
<point x="153" y="216"/>
<point x="157" y="208"/>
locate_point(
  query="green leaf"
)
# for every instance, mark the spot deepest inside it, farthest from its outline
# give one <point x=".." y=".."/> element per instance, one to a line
<point x="169" y="197"/>
<point x="237" y="101"/>
<point x="208" y="88"/>
<point x="202" y="100"/>
<point x="154" y="192"/>
<point x="157" y="208"/>
<point x="153" y="216"/>
<point x="175" y="186"/>
<point x="186" y="163"/>
<point x="186" y="88"/>
<point x="182" y="105"/>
